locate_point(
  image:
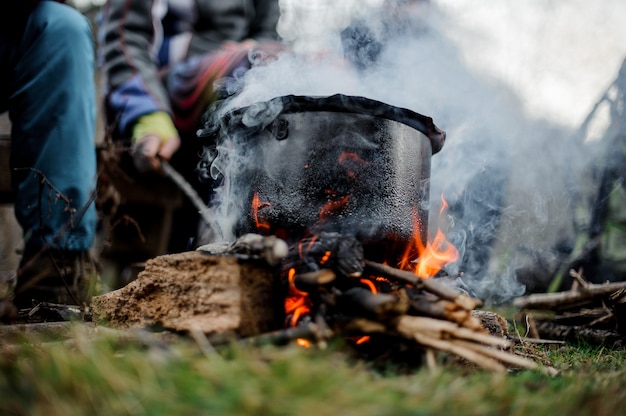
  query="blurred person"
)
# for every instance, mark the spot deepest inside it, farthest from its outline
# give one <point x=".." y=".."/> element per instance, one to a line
<point x="47" y="87"/>
<point x="162" y="61"/>
<point x="598" y="197"/>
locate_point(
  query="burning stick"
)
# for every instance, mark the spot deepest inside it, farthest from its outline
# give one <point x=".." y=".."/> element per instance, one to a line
<point x="430" y="285"/>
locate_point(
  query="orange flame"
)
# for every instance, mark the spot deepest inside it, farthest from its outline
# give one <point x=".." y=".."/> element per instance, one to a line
<point x="256" y="204"/>
<point x="432" y="256"/>
<point x="297" y="302"/>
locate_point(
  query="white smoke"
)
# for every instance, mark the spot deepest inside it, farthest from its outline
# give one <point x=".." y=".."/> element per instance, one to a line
<point x="510" y="82"/>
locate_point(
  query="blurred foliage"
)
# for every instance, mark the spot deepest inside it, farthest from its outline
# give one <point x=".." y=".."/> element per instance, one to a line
<point x="106" y="375"/>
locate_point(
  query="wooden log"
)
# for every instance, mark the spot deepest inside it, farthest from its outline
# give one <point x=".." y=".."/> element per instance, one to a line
<point x="193" y="290"/>
<point x="430" y="285"/>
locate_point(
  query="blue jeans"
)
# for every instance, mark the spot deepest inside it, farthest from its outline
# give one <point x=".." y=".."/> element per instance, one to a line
<point x="47" y="85"/>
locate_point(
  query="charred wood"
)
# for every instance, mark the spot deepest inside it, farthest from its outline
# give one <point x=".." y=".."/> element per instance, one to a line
<point x="379" y="306"/>
<point x="340" y="253"/>
<point x="309" y="331"/>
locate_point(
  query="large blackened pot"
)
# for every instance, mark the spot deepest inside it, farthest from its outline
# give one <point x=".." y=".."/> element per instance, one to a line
<point x="347" y="164"/>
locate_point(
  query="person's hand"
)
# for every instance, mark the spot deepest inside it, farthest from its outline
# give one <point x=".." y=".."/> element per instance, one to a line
<point x="154" y="139"/>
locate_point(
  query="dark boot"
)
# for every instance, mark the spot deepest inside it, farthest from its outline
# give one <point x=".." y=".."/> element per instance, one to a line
<point x="56" y="276"/>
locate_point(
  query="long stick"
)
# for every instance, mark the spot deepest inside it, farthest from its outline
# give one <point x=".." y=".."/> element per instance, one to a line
<point x="430" y="285"/>
<point x="561" y="299"/>
<point x="188" y="190"/>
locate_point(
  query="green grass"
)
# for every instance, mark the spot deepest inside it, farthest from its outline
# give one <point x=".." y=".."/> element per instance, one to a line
<point x="108" y="377"/>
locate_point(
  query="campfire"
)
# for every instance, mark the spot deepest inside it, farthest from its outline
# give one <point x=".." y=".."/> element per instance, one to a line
<point x="334" y="229"/>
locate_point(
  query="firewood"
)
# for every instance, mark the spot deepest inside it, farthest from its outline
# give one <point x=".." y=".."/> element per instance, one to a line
<point x="435" y="308"/>
<point x="311" y="281"/>
<point x="360" y="326"/>
<point x="497" y="354"/>
<point x="341" y="253"/>
<point x="358" y="301"/>
<point x="408" y="325"/>
<point x="582" y="317"/>
<point x="568" y="299"/>
<point x="255" y="246"/>
<point x="430" y="285"/>
<point x="576" y="334"/>
<point x="310" y="331"/>
<point x="449" y="346"/>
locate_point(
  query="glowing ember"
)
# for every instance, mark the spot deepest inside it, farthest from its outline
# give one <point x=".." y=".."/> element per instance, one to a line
<point x="362" y="340"/>
<point x="370" y="285"/>
<point x="332" y="206"/>
<point x="351" y="156"/>
<point x="325" y="258"/>
<point x="303" y="342"/>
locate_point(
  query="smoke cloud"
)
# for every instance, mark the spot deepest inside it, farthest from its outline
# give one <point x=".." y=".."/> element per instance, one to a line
<point x="510" y="83"/>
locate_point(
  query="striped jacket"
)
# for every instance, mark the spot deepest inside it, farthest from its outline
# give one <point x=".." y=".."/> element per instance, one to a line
<point x="140" y="39"/>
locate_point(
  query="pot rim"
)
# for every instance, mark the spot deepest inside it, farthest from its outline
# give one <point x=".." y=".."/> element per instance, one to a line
<point x="343" y="104"/>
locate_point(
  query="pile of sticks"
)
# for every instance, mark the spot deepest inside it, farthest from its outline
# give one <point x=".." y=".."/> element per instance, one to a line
<point x="346" y="295"/>
<point x="591" y="313"/>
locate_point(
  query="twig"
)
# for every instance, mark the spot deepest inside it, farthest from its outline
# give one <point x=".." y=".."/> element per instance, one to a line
<point x="188" y="190"/>
<point x="564" y="299"/>
<point x="430" y="285"/>
<point x="525" y="340"/>
<point x="470" y="355"/>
